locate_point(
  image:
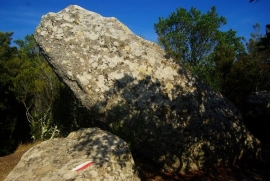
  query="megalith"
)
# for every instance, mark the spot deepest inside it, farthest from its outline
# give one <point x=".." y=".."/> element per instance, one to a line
<point x="131" y="85"/>
<point x="87" y="154"/>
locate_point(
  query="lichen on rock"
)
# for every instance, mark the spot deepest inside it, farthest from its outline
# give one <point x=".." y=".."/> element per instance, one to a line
<point x="131" y="85"/>
<point x="60" y="159"/>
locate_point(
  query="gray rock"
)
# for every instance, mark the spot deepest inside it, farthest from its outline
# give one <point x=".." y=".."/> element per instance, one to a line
<point x="56" y="159"/>
<point x="152" y="102"/>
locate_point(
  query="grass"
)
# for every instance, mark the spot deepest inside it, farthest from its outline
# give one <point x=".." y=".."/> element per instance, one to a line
<point x="10" y="161"/>
<point x="25" y="147"/>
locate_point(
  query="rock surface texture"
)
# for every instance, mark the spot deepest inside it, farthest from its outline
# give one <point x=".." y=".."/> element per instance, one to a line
<point x="107" y="155"/>
<point x="151" y="101"/>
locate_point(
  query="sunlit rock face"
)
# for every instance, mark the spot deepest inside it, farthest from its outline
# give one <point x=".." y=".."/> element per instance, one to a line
<point x="87" y="154"/>
<point x="151" y="101"/>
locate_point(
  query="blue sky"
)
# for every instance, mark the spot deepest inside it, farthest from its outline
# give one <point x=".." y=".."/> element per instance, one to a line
<point x="23" y="16"/>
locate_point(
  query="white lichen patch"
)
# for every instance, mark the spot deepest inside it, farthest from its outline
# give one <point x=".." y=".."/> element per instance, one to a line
<point x="149" y="71"/>
<point x="165" y="73"/>
<point x="116" y="43"/>
<point x="127" y="48"/>
<point x="132" y="65"/>
<point x="47" y="49"/>
<point x="65" y="62"/>
<point x="116" y="75"/>
<point x="44" y="33"/>
<point x="113" y="61"/>
<point x="144" y="69"/>
<point x="81" y="60"/>
<point x="101" y="83"/>
<point x="83" y="79"/>
<point x="94" y="65"/>
<point x="141" y="68"/>
<point x="87" y="75"/>
<point x="69" y="74"/>
<point x="168" y="87"/>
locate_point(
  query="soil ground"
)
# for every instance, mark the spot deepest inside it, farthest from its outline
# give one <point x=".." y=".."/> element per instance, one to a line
<point x="148" y="171"/>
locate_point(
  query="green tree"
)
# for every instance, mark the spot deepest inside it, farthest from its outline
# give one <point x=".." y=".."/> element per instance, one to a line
<point x="264" y="43"/>
<point x="190" y="37"/>
<point x="241" y="74"/>
<point x="13" y="125"/>
<point x="223" y="57"/>
<point x="255" y="46"/>
<point x="215" y="68"/>
<point x="231" y="39"/>
<point x="33" y="102"/>
<point x="36" y="87"/>
<point x="253" y="41"/>
<point x="245" y="77"/>
<point x="259" y="54"/>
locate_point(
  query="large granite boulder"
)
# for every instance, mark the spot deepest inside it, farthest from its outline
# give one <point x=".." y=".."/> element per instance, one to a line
<point x="87" y="154"/>
<point x="130" y="84"/>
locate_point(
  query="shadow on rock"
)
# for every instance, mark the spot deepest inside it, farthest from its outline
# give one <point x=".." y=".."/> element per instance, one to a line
<point x="87" y="153"/>
<point x="181" y="132"/>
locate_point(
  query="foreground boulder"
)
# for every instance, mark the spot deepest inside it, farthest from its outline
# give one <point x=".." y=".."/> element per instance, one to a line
<point x="88" y="154"/>
<point x="140" y="93"/>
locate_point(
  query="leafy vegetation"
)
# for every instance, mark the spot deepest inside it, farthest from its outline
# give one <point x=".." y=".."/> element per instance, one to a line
<point x="13" y="125"/>
<point x="34" y="104"/>
<point x="189" y="36"/>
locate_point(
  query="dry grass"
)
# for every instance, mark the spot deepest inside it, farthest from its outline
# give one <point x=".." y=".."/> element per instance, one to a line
<point x="10" y="161"/>
<point x="25" y="147"/>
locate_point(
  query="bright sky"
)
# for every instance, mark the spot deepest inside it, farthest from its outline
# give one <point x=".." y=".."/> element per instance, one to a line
<point x="23" y="16"/>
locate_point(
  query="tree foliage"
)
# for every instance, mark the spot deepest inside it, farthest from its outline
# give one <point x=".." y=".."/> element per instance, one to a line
<point x="13" y="125"/>
<point x="264" y="43"/>
<point x="218" y="58"/>
<point x="34" y="104"/>
<point x="223" y="58"/>
<point x="37" y="88"/>
<point x="245" y="74"/>
<point x="189" y="36"/>
<point x="27" y="83"/>
<point x="192" y="37"/>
